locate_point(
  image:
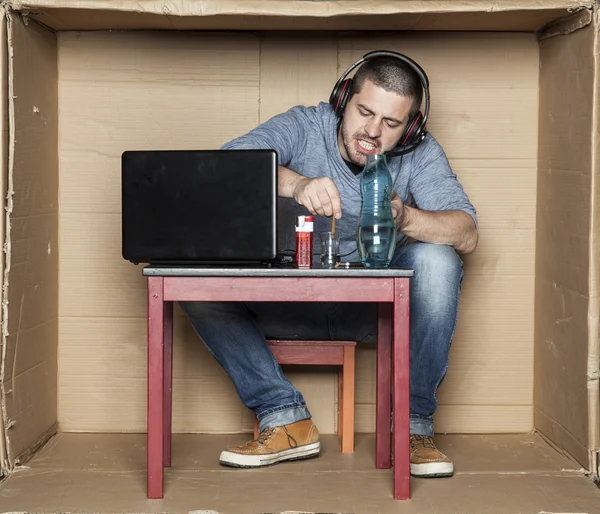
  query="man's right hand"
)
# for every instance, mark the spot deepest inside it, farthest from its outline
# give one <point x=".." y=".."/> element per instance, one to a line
<point x="319" y="195"/>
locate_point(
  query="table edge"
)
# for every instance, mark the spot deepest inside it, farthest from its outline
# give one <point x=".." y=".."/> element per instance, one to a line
<point x="151" y="271"/>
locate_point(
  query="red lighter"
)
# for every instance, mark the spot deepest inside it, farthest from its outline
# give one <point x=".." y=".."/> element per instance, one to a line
<point x="304" y="241"/>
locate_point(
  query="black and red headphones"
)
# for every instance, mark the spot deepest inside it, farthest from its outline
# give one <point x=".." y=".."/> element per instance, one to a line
<point x="415" y="130"/>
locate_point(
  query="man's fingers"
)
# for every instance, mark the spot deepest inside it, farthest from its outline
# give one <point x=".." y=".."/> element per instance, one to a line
<point x="336" y="202"/>
<point x="318" y="207"/>
<point x="308" y="204"/>
<point x="321" y="197"/>
<point x="325" y="202"/>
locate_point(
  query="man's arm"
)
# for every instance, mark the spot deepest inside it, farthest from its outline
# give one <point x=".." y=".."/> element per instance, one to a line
<point x="444" y="214"/>
<point x="286" y="134"/>
<point x="319" y="195"/>
<point x="454" y="228"/>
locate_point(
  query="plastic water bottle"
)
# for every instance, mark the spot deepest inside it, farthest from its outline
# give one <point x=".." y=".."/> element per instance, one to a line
<point x="376" y="231"/>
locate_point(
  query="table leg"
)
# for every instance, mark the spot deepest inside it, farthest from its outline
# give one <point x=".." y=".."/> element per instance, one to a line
<point x="401" y="385"/>
<point x="384" y="387"/>
<point x="348" y="400"/>
<point x="340" y="415"/>
<point x="168" y="383"/>
<point x="156" y="329"/>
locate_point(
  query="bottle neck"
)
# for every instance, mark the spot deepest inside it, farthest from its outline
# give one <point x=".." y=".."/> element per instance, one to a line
<point x="375" y="161"/>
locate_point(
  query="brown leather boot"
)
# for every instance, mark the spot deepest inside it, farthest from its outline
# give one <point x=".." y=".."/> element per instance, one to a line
<point x="295" y="441"/>
<point x="426" y="460"/>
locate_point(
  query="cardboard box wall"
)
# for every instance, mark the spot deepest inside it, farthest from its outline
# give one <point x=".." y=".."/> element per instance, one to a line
<point x="515" y="112"/>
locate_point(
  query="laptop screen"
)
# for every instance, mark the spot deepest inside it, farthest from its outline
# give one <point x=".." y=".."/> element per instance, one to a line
<point x="199" y="206"/>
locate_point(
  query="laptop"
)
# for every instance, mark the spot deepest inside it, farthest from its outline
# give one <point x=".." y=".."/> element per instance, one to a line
<point x="195" y="207"/>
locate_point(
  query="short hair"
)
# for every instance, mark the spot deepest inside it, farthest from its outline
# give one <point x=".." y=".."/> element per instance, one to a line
<point x="392" y="75"/>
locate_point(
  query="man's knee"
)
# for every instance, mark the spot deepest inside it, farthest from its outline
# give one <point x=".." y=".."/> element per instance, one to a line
<point x="436" y="259"/>
<point x="435" y="290"/>
<point x="438" y="274"/>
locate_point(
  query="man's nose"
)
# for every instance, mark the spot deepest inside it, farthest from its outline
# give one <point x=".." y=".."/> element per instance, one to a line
<point x="373" y="129"/>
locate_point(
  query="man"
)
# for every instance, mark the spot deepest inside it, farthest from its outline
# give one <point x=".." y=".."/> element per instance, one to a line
<point x="321" y="156"/>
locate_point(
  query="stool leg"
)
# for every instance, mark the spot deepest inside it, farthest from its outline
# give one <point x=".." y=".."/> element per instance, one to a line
<point x="156" y="329"/>
<point x="348" y="400"/>
<point x="384" y="387"/>
<point x="340" y="417"/>
<point x="255" y="427"/>
<point x="401" y="385"/>
<point x="168" y="384"/>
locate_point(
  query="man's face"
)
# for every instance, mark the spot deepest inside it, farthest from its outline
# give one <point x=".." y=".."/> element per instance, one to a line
<point x="373" y="123"/>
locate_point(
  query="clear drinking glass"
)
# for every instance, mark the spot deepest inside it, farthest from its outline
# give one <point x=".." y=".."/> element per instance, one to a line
<point x="330" y="249"/>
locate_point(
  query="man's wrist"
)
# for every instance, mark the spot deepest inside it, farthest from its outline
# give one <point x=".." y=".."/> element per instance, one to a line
<point x="288" y="180"/>
<point x="296" y="180"/>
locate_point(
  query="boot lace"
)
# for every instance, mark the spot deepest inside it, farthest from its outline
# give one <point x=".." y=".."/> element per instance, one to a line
<point x="291" y="441"/>
<point x="266" y="434"/>
<point x="421" y="441"/>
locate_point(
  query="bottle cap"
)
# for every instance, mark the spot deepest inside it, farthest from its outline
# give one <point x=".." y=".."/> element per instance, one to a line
<point x="304" y="223"/>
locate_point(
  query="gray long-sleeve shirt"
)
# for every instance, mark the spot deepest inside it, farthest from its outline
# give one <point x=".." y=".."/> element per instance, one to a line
<point x="305" y="139"/>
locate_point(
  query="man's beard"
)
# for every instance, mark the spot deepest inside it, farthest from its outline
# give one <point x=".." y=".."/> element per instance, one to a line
<point x="354" y="155"/>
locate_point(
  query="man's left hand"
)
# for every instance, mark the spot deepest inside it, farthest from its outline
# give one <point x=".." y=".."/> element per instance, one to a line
<point x="397" y="210"/>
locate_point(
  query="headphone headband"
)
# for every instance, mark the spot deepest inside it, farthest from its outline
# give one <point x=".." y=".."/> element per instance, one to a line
<point x="415" y="126"/>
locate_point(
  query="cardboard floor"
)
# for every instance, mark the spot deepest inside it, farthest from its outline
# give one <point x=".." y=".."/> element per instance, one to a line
<point x="106" y="474"/>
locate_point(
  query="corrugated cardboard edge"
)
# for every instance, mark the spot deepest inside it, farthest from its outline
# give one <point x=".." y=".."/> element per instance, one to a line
<point x="302" y="8"/>
<point x="580" y="19"/>
<point x="593" y="373"/>
<point x="3" y="175"/>
<point x="7" y="466"/>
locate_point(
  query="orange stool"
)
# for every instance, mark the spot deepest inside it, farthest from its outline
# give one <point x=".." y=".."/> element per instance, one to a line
<point x="325" y="353"/>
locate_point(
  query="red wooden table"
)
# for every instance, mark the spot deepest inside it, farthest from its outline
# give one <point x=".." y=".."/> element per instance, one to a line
<point x="388" y="287"/>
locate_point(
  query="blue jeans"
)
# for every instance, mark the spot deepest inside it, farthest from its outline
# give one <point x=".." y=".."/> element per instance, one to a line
<point x="235" y="333"/>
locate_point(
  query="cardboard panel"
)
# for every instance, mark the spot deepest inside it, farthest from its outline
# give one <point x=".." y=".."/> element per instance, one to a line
<point x="479" y="364"/>
<point x="503" y="192"/>
<point x="480" y="15"/>
<point x="118" y="92"/>
<point x="284" y="81"/>
<point x="128" y="93"/>
<point x="463" y="118"/>
<point x="31" y="273"/>
<point x="31" y="395"/>
<point x="562" y="262"/>
<point x="114" y="375"/>
<point x="463" y="419"/>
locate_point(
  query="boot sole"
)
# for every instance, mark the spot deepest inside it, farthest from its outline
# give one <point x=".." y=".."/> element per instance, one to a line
<point x="432" y="470"/>
<point x="238" y="460"/>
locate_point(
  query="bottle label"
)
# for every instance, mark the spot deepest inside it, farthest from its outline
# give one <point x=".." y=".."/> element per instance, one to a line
<point x="304" y="249"/>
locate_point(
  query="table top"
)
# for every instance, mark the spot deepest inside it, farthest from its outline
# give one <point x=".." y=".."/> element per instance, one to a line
<point x="203" y="271"/>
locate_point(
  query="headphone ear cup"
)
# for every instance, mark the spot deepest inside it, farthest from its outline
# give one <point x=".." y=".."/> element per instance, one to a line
<point x="339" y="96"/>
<point x="413" y="130"/>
